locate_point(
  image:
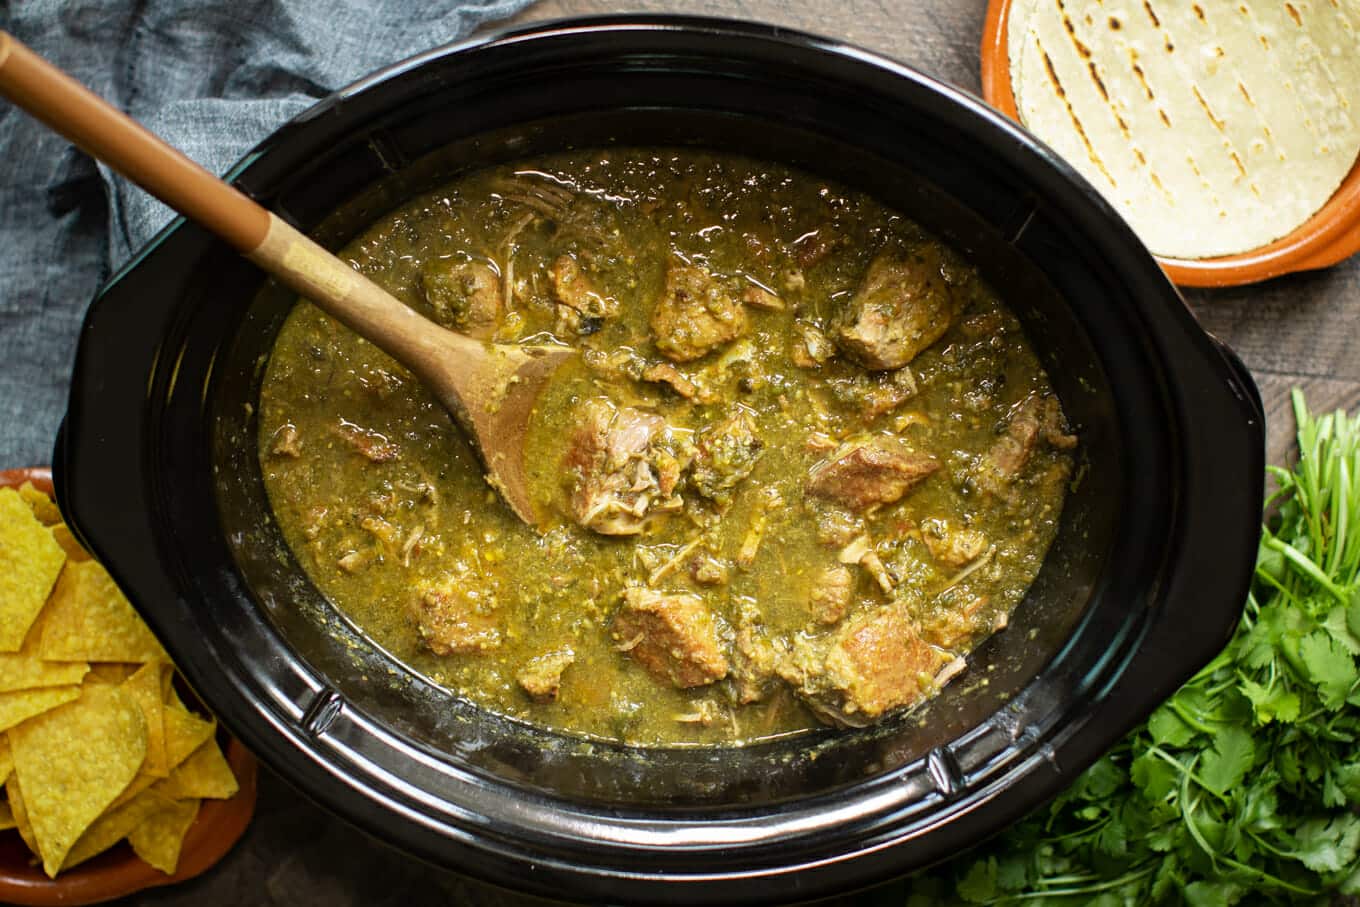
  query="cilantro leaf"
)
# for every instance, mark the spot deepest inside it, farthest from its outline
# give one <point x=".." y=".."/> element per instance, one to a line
<point x="1224" y="766"/>
<point x="1329" y="845"/>
<point x="1329" y="666"/>
<point x="1167" y="728"/>
<point x="1273" y="703"/>
<point x="978" y="886"/>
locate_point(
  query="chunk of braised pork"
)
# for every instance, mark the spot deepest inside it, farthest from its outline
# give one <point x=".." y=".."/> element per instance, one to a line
<point x="875" y="394"/>
<point x="726" y="452"/>
<point x="456" y="614"/>
<point x="581" y="307"/>
<point x="465" y="295"/>
<point x="810" y="348"/>
<point x="754" y="657"/>
<point x="541" y="677"/>
<point x="953" y="546"/>
<point x="1034" y="420"/>
<point x="622" y="468"/>
<point x="673" y="635"/>
<point x="873" y="665"/>
<point x="672" y="377"/>
<point x="830" y="594"/>
<point x="695" y="314"/>
<point x="904" y="303"/>
<point x="372" y="445"/>
<point x="866" y="473"/>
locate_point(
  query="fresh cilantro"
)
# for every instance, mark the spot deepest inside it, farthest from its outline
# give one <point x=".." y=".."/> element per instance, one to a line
<point x="1244" y="787"/>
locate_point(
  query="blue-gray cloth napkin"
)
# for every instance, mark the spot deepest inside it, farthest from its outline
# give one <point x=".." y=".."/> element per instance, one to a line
<point x="213" y="77"/>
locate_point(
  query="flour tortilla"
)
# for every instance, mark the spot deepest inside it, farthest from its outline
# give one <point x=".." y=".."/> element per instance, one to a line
<point x="1215" y="128"/>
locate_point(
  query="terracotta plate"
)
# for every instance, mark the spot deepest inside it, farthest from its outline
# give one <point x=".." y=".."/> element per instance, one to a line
<point x="1329" y="236"/>
<point x="118" y="872"/>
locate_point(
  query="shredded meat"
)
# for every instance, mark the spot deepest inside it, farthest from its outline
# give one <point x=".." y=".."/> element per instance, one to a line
<point x="866" y="473"/>
<point x="621" y="468"/>
<point x="872" y="665"/>
<point x="694" y="315"/>
<point x="810" y="347"/>
<point x="465" y="296"/>
<point x="905" y="302"/>
<point x="673" y="635"/>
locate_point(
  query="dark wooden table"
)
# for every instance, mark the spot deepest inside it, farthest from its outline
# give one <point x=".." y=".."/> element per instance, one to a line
<point x="1301" y="331"/>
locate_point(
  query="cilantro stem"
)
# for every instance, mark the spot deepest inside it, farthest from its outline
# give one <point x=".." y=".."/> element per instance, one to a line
<point x="1307" y="567"/>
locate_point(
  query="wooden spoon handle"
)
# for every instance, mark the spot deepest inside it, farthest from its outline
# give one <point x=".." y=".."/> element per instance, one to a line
<point x="72" y="110"/>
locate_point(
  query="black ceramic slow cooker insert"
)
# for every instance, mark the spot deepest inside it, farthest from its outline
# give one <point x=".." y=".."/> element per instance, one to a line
<point x="157" y="472"/>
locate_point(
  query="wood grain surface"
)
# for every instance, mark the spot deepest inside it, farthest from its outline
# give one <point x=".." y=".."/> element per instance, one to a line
<point x="1302" y="330"/>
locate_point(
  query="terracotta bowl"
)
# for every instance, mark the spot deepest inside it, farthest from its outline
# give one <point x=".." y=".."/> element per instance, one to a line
<point x="118" y="872"/>
<point x="1331" y="235"/>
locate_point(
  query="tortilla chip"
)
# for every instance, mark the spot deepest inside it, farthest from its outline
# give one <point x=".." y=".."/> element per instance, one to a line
<point x="24" y="670"/>
<point x="114" y="826"/>
<point x="184" y="733"/>
<point x="20" y="705"/>
<point x="16" y="805"/>
<point x="204" y="775"/>
<point x="145" y="687"/>
<point x="74" y="551"/>
<point x="159" y="838"/>
<point x="6" y="817"/>
<point x="89" y="619"/>
<point x="30" y="562"/>
<point x="41" y="505"/>
<point x="73" y="762"/>
<point x="6" y="759"/>
<point x="111" y="672"/>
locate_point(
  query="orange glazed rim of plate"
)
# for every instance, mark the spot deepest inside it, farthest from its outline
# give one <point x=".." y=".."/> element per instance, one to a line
<point x="1331" y="235"/>
<point x="119" y="872"/>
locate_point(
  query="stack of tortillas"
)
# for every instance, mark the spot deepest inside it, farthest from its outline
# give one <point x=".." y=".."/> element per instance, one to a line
<point x="1214" y="127"/>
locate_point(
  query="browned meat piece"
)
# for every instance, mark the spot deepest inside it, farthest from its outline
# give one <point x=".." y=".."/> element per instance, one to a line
<point x="812" y="247"/>
<point x="287" y="442"/>
<point x="465" y="295"/>
<point x="573" y="289"/>
<point x="694" y="315"/>
<point x="1033" y="420"/>
<point x="727" y="451"/>
<point x="373" y="446"/>
<point x="672" y="635"/>
<point x="863" y="474"/>
<point x="541" y="677"/>
<point x="952" y="546"/>
<point x="832" y="590"/>
<point x="620" y="467"/>
<point x="753" y="656"/>
<point x="954" y="626"/>
<point x="875" y="394"/>
<point x="872" y="665"/>
<point x="761" y="298"/>
<point x="456" y="615"/>
<point x="904" y="304"/>
<point x="665" y="373"/>
<point x="810" y="347"/>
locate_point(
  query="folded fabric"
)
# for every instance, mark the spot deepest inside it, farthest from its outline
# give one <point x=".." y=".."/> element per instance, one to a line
<point x="213" y="77"/>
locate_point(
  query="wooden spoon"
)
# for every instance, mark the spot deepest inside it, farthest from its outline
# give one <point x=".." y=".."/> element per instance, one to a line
<point x="489" y="388"/>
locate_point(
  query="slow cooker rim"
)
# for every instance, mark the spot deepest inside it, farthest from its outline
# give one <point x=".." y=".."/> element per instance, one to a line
<point x="556" y="28"/>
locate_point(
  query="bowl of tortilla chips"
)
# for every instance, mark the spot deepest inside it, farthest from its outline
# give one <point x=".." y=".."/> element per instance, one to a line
<point x="111" y="783"/>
